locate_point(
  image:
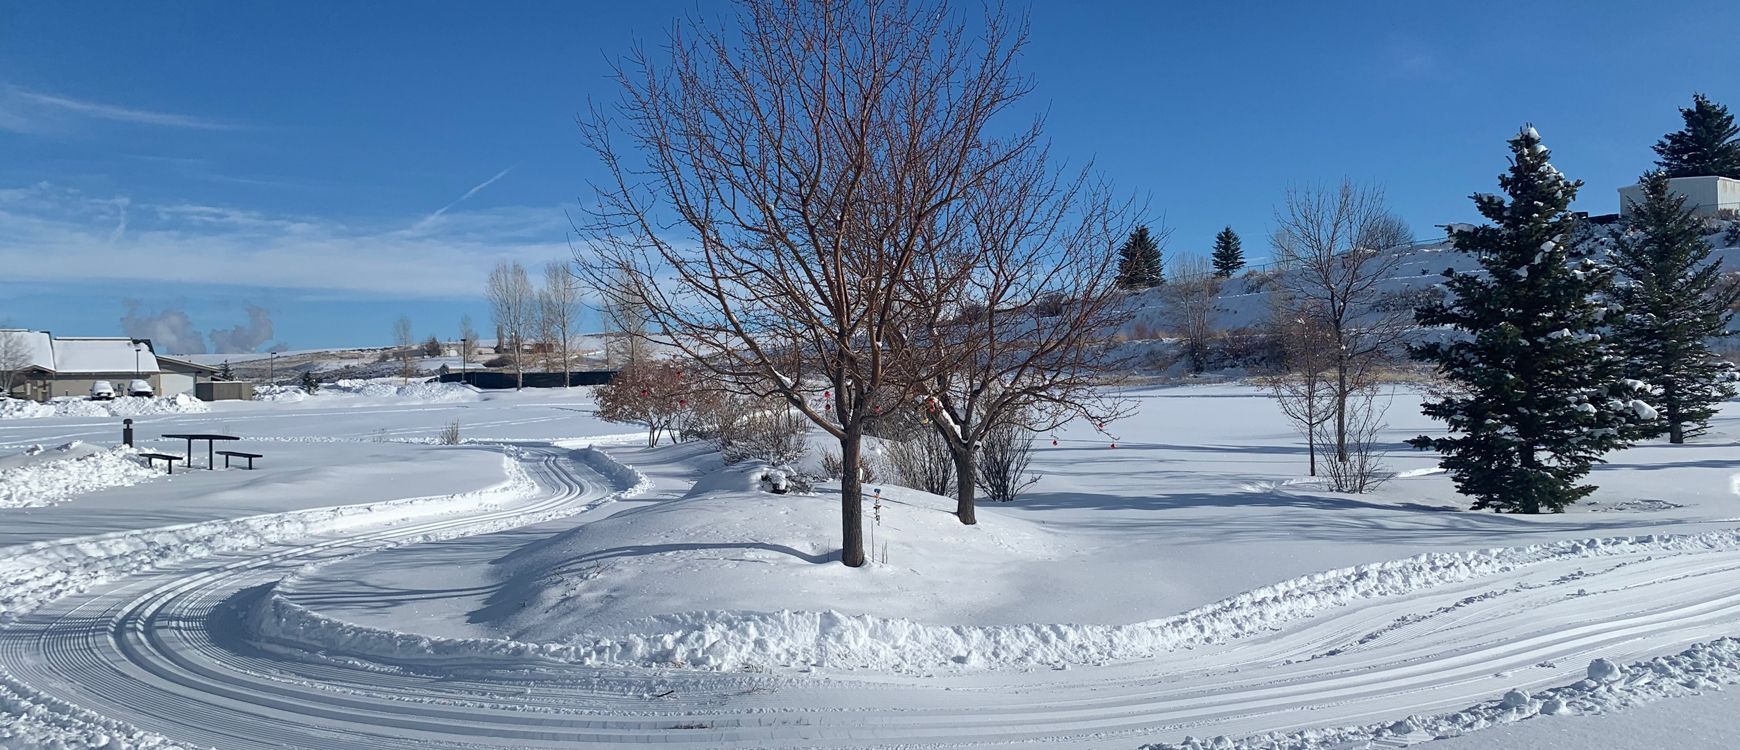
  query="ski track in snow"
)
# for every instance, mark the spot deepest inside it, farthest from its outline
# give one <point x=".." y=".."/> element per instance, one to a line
<point x="173" y="637"/>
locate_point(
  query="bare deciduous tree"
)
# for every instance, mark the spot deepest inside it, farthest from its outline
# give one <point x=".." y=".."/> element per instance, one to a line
<point x="1335" y="248"/>
<point x="467" y="336"/>
<point x="1019" y="312"/>
<point x="511" y="305"/>
<point x="1189" y="298"/>
<point x="14" y="357"/>
<point x="625" y="341"/>
<point x="1303" y="387"/>
<point x="559" y="309"/>
<point x="793" y="170"/>
<point x="404" y="345"/>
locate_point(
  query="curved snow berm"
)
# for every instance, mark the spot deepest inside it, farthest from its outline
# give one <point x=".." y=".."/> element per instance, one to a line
<point x="723" y="640"/>
<point x="1609" y="686"/>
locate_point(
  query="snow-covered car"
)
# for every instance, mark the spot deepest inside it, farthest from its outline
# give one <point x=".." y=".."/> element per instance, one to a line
<point x="140" y="388"/>
<point x="102" y="390"/>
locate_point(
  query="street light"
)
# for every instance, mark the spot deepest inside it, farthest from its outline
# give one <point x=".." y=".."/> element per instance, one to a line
<point x="137" y="348"/>
<point x="272" y="368"/>
<point x="464" y="345"/>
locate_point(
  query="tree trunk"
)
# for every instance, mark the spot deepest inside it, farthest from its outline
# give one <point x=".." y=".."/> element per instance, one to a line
<point x="1311" y="447"/>
<point x="1676" y="427"/>
<point x="851" y="498"/>
<point x="1341" y="410"/>
<point x="966" y="470"/>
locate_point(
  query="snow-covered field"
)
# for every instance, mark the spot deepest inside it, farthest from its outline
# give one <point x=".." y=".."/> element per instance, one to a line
<point x="367" y="588"/>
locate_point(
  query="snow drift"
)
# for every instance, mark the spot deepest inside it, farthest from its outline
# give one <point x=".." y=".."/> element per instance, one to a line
<point x="726" y="640"/>
<point x="126" y="406"/>
<point x="42" y="476"/>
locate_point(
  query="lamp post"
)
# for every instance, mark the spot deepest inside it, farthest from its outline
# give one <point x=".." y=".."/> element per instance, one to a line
<point x="137" y="348"/>
<point x="272" y="368"/>
<point x="464" y="346"/>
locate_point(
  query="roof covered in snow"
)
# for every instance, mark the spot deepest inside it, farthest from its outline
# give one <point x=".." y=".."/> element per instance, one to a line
<point x="68" y="356"/>
<point x="38" y="351"/>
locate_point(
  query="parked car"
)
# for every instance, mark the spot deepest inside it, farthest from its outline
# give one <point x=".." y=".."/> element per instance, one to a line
<point x="140" y="388"/>
<point x="102" y="390"/>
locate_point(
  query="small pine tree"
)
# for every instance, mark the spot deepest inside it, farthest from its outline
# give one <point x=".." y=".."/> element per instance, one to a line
<point x="309" y="385"/>
<point x="1140" y="264"/>
<point x="1675" y="302"/>
<point x="1538" y="395"/>
<point x="1708" y="145"/>
<point x="225" y="373"/>
<point x="1229" y="257"/>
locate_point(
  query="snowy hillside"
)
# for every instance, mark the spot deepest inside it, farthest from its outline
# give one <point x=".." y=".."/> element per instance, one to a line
<point x="1245" y="301"/>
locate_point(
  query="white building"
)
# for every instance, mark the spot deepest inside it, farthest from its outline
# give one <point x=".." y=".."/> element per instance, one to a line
<point x="1704" y="195"/>
<point x="55" y="366"/>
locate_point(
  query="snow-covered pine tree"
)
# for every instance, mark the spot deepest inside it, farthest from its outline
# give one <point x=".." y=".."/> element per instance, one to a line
<point x="1709" y="144"/>
<point x="1139" y="264"/>
<point x="1675" y="302"/>
<point x="309" y="385"/>
<point x="1229" y="257"/>
<point x="1537" y="395"/>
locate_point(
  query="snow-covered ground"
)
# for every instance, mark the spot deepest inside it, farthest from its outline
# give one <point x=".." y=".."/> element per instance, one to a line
<point x="1189" y="587"/>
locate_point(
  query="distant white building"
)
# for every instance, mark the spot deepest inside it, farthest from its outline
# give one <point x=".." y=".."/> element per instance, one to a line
<point x="57" y="366"/>
<point x="1704" y="195"/>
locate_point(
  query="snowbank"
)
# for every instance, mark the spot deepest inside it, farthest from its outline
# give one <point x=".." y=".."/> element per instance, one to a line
<point x="385" y="389"/>
<point x="40" y="476"/>
<point x="36" y="573"/>
<point x="1704" y="666"/>
<point x="732" y="640"/>
<point x="125" y="406"/>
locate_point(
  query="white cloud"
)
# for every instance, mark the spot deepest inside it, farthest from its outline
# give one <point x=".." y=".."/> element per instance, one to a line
<point x="55" y="234"/>
<point x="25" y="111"/>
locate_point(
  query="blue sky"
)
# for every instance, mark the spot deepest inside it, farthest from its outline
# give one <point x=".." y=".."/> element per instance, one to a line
<point x="337" y="165"/>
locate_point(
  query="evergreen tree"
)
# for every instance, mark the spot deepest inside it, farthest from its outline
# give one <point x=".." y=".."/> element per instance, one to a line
<point x="1139" y="264"/>
<point x="1538" y="396"/>
<point x="224" y="373"/>
<point x="1708" y="145"/>
<point x="309" y="384"/>
<point x="1674" y="302"/>
<point x="1229" y="257"/>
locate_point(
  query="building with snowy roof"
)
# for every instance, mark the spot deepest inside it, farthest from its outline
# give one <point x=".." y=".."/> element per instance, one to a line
<point x="51" y="366"/>
<point x="1705" y="196"/>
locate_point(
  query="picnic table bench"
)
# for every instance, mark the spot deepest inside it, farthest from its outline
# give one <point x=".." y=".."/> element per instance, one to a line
<point x="239" y="454"/>
<point x="151" y="459"/>
<point x="209" y="439"/>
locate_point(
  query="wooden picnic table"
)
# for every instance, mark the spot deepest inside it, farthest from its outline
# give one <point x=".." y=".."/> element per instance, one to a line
<point x="209" y="439"/>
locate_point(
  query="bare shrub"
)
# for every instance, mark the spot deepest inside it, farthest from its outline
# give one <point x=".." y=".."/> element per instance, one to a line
<point x="1003" y="458"/>
<point x="759" y="430"/>
<point x="501" y="361"/>
<point x="1360" y="468"/>
<point x="450" y="434"/>
<point x="832" y="467"/>
<point x="922" y="462"/>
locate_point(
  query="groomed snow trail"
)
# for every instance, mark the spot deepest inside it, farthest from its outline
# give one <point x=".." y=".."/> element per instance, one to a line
<point x="170" y="651"/>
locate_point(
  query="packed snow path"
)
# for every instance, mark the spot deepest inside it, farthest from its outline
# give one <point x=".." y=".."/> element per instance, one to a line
<point x="169" y="652"/>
